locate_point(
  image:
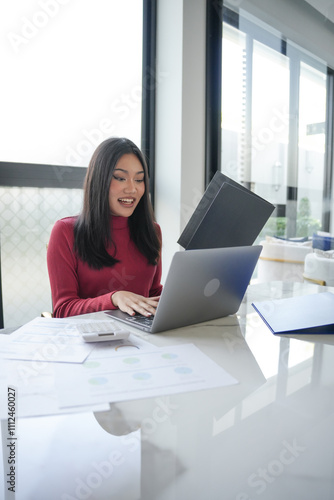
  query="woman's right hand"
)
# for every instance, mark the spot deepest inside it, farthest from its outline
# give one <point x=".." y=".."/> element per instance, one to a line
<point x="131" y="303"/>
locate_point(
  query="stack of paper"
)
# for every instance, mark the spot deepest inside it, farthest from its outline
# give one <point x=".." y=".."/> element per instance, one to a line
<point x="53" y="370"/>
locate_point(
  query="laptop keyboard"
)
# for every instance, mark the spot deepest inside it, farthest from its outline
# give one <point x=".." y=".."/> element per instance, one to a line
<point x="142" y="320"/>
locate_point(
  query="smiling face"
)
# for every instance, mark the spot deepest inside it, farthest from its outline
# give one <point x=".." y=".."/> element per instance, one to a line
<point x="127" y="186"/>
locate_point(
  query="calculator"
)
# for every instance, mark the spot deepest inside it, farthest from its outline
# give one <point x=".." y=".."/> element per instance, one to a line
<point x="101" y="331"/>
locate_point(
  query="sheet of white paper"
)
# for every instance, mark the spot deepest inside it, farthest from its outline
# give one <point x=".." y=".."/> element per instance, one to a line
<point x="44" y="339"/>
<point x="136" y="375"/>
<point x="35" y="389"/>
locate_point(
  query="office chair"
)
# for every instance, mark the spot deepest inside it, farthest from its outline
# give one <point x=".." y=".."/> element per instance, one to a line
<point x="47" y="314"/>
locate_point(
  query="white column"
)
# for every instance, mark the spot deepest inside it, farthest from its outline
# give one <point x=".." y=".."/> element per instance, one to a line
<point x="180" y="124"/>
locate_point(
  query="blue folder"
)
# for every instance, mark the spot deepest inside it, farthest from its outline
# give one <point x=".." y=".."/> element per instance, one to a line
<point x="312" y="313"/>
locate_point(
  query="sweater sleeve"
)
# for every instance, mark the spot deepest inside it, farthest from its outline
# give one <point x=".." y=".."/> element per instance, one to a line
<point x="62" y="268"/>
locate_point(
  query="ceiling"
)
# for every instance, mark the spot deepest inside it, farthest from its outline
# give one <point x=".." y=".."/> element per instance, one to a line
<point x="325" y="7"/>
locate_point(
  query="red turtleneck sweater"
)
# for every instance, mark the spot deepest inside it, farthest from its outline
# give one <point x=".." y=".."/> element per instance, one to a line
<point x="78" y="289"/>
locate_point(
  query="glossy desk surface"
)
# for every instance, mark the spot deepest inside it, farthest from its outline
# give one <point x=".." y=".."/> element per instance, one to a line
<point x="271" y="436"/>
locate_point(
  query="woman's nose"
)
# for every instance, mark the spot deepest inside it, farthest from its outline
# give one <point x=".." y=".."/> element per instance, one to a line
<point x="130" y="186"/>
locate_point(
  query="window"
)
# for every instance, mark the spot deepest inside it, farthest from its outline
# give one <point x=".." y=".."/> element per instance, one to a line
<point x="274" y="123"/>
<point x="71" y="77"/>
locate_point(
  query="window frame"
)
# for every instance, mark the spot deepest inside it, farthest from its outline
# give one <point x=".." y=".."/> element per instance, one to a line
<point x="148" y="121"/>
<point x="213" y="86"/>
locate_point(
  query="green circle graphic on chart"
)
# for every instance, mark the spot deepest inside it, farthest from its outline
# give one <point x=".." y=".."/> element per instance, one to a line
<point x="131" y="361"/>
<point x="169" y="355"/>
<point x="91" y="364"/>
<point x="142" y="376"/>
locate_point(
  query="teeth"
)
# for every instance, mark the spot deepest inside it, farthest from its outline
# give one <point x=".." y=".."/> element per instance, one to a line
<point x="126" y="200"/>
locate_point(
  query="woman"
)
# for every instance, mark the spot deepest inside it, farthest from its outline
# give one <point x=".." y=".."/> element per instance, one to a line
<point x="109" y="256"/>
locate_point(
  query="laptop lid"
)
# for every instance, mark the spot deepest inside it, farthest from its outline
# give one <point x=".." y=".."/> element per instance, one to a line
<point x="201" y="285"/>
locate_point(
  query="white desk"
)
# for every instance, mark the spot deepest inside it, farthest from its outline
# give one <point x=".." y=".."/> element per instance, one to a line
<point x="269" y="437"/>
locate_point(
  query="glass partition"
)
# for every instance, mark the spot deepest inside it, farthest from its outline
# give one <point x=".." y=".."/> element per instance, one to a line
<point x="26" y="219"/>
<point x="311" y="149"/>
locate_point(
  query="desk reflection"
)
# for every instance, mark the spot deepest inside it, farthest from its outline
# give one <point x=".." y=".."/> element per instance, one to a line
<point x="179" y="432"/>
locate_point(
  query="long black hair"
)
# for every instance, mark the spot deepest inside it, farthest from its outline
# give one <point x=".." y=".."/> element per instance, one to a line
<point x="92" y="230"/>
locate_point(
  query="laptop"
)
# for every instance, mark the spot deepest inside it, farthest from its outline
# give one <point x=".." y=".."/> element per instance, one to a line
<point x="201" y="285"/>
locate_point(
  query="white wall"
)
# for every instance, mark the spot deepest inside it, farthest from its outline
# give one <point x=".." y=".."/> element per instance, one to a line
<point x="180" y="129"/>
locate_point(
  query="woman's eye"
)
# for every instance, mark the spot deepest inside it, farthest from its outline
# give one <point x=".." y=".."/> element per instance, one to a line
<point x="123" y="179"/>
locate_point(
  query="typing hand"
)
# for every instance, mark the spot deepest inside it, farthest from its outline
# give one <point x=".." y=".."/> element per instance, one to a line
<point x="131" y="303"/>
